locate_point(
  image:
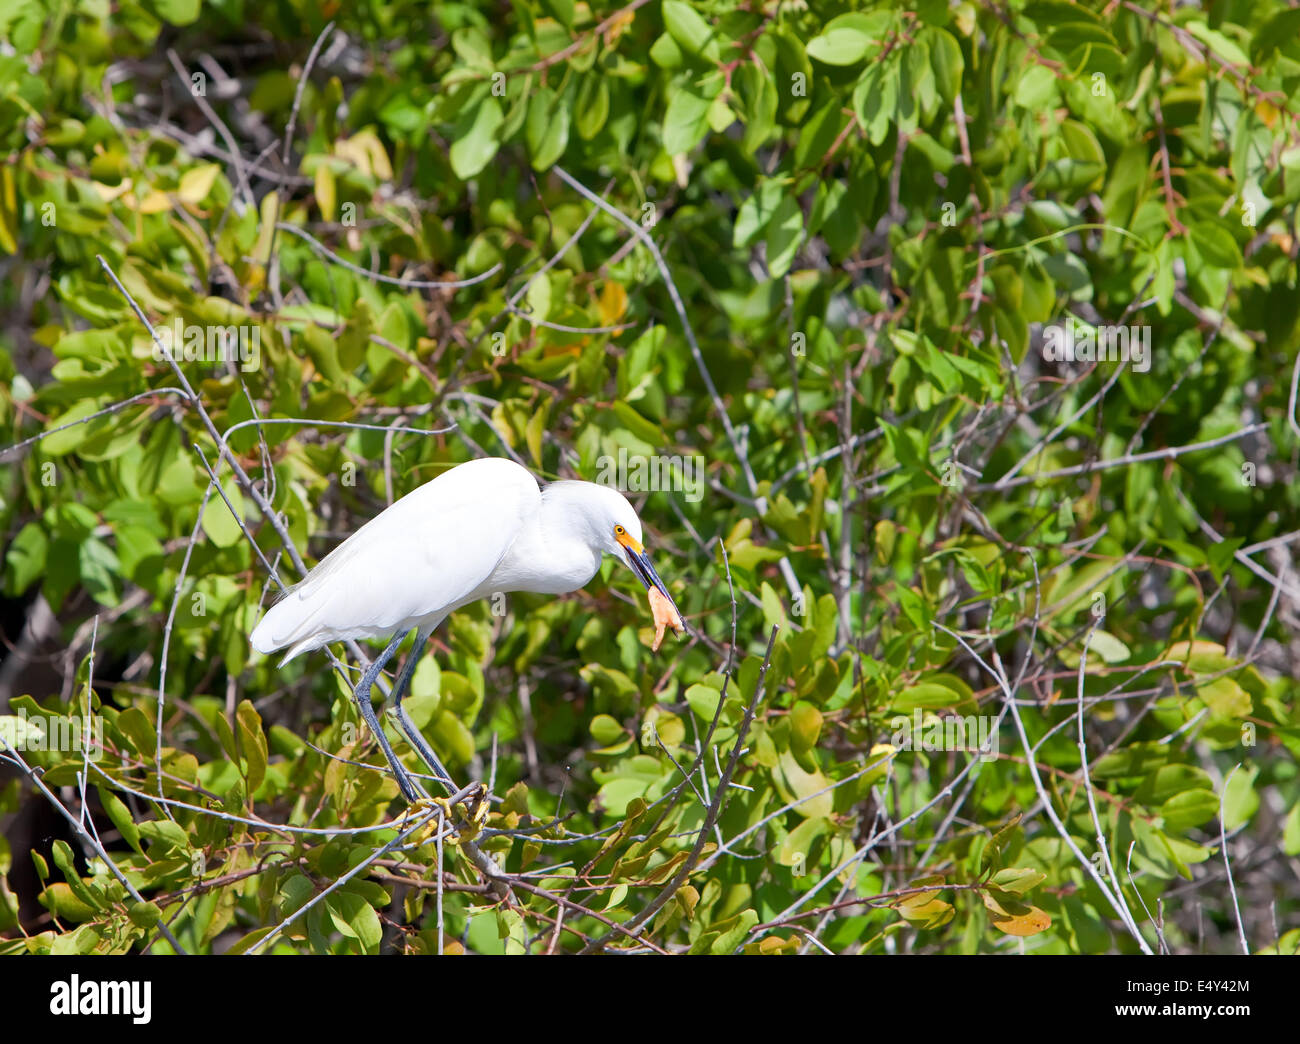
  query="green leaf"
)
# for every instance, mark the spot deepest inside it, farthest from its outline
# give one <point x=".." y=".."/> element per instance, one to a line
<point x="1037" y="87"/>
<point x="1107" y="646"/>
<point x="946" y="61"/>
<point x="687" y="120"/>
<point x="560" y="10"/>
<point x="1188" y="809"/>
<point x="703" y="700"/>
<point x="773" y="610"/>
<point x="1274" y="33"/>
<point x="1170" y="780"/>
<point x="850" y="38"/>
<point x="784" y="235"/>
<point x="1137" y="759"/>
<point x="99" y="569"/>
<point x="354" y="918"/>
<point x="840" y="47"/>
<point x="926" y="696"/>
<point x="547" y="128"/>
<point x="473" y="47"/>
<point x="605" y="729"/>
<point x="449" y="733"/>
<point x="25" y="559"/>
<point x="693" y="34"/>
<point x="1291" y="831"/>
<point x="121" y="817"/>
<point x="643" y="429"/>
<point x="1240" y="799"/>
<point x="218" y="523"/>
<point x="797" y="846"/>
<point x="756" y="212"/>
<point x="734" y="935"/>
<point x="177" y="12"/>
<point x="1018" y="879"/>
<point x="592" y="105"/>
<point x="62" y="442"/>
<point x="1215" y="244"/>
<point x="1220" y="556"/>
<point x="758" y="93"/>
<point x="474" y="140"/>
<point x="252" y="742"/>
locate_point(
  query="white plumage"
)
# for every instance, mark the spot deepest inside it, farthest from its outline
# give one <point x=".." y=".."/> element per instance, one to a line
<point x="481" y="528"/>
<point x="408" y="564"/>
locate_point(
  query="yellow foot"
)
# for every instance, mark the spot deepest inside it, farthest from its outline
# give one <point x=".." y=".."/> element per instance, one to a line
<point x="417" y="809"/>
<point x="478" y="806"/>
<point x="467" y="817"/>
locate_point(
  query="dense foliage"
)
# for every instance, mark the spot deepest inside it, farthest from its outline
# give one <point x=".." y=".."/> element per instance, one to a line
<point x="831" y="279"/>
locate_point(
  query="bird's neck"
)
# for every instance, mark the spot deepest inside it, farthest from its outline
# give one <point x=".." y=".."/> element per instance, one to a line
<point x="550" y="555"/>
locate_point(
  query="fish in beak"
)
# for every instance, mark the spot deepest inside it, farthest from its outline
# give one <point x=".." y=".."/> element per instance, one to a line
<point x="662" y="607"/>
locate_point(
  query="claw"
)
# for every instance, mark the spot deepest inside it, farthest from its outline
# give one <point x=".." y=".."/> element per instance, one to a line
<point x="422" y="805"/>
<point x="481" y="807"/>
<point x="467" y="817"/>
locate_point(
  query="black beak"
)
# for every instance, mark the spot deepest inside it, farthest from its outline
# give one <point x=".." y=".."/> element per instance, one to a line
<point x="645" y="572"/>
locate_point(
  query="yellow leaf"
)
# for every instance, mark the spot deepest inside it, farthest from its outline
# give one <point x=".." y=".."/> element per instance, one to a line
<point x="920" y="899"/>
<point x="1201" y="657"/>
<point x="8" y="211"/>
<point x="686" y="898"/>
<point x="348" y="149"/>
<point x="1013" y="917"/>
<point x="928" y="915"/>
<point x="108" y="193"/>
<point x="503" y="426"/>
<point x="156" y="202"/>
<point x="533" y="432"/>
<point x="366" y="152"/>
<point x="1225" y="698"/>
<point x="613" y="303"/>
<point x="270" y="215"/>
<point x="883" y="753"/>
<point x="794" y="784"/>
<point x="383" y="170"/>
<point x="805" y="725"/>
<point x="197" y="183"/>
<point x="326" y="192"/>
<point x="618" y="25"/>
<point x="1029" y="923"/>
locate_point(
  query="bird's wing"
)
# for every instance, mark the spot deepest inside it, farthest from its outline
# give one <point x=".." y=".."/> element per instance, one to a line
<point x="415" y="560"/>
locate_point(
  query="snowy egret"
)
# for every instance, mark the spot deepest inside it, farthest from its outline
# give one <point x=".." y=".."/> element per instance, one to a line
<point x="479" y="529"/>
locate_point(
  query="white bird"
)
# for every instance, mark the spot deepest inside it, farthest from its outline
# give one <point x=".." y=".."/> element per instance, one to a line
<point x="482" y="528"/>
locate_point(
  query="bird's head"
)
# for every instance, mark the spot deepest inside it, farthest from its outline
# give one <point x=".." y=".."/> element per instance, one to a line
<point x="611" y="525"/>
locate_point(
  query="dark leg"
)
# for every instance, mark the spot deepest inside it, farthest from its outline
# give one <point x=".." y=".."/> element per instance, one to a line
<point x="404" y="720"/>
<point x="362" y="696"/>
<point x="408" y="669"/>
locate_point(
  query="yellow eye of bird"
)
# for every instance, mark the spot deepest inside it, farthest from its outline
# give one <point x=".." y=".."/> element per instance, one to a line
<point x="619" y="530"/>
